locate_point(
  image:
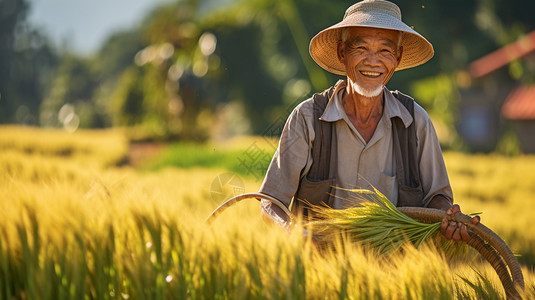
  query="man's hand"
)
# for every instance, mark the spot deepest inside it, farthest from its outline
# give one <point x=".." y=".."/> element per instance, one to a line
<point x="456" y="231"/>
<point x="452" y="230"/>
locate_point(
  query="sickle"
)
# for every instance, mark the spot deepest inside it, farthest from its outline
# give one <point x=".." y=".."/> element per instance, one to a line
<point x="482" y="239"/>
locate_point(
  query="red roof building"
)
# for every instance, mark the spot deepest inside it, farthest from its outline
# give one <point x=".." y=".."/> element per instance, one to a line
<point x="481" y="105"/>
<point x="501" y="57"/>
<point x="520" y="104"/>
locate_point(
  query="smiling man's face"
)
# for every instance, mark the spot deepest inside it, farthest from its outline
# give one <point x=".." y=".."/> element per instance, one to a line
<point x="370" y="55"/>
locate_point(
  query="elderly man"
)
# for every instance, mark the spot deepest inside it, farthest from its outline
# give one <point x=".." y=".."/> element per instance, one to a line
<point x="358" y="133"/>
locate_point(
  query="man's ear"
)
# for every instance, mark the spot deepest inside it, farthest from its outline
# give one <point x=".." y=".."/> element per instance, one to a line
<point x="341" y="51"/>
<point x="400" y="54"/>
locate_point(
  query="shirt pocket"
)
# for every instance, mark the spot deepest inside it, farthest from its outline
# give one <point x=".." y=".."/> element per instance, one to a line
<point x="386" y="184"/>
<point x="404" y="195"/>
<point x="410" y="196"/>
<point x="314" y="192"/>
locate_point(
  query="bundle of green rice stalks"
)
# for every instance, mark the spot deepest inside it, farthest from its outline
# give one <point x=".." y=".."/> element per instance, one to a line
<point x="376" y="223"/>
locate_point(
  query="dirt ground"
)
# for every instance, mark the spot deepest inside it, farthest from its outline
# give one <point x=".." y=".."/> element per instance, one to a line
<point x="140" y="153"/>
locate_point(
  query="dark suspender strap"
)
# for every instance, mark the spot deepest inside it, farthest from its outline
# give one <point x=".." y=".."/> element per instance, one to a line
<point x="323" y="157"/>
<point x="322" y="141"/>
<point x="315" y="188"/>
<point x="405" y="145"/>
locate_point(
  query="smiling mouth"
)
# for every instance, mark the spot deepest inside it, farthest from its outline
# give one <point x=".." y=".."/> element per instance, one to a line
<point x="371" y="74"/>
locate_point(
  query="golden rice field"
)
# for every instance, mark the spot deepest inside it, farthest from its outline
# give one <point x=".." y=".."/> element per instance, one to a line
<point x="78" y="222"/>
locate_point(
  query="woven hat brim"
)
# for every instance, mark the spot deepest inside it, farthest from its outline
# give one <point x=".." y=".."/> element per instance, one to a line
<point x="323" y="47"/>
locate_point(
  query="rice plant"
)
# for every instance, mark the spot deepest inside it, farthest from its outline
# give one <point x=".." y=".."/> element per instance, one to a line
<point x="73" y="225"/>
<point x="376" y="222"/>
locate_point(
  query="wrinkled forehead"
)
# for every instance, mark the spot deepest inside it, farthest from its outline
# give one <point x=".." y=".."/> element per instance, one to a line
<point x="373" y="34"/>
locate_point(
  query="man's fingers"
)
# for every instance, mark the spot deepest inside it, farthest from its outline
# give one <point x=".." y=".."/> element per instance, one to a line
<point x="457" y="234"/>
<point x="453" y="209"/>
<point x="450" y="230"/>
<point x="443" y="226"/>
<point x="464" y="233"/>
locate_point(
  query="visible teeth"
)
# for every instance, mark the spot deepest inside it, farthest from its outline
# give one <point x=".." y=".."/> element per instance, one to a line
<point x="370" y="73"/>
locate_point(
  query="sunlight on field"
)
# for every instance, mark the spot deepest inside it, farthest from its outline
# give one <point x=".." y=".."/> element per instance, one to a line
<point x="503" y="189"/>
<point x="78" y="222"/>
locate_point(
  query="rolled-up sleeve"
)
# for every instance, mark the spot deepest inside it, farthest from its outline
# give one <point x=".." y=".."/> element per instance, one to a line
<point x="291" y="160"/>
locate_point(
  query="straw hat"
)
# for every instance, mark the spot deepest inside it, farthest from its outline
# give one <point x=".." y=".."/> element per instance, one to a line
<point x="370" y="13"/>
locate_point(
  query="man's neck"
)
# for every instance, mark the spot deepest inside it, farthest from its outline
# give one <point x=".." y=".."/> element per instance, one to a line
<point x="363" y="112"/>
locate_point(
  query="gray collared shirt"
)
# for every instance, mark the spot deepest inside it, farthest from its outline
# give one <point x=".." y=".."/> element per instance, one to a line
<point x="360" y="164"/>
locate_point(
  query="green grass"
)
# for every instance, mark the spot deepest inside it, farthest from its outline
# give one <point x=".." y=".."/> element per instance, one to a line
<point x="188" y="155"/>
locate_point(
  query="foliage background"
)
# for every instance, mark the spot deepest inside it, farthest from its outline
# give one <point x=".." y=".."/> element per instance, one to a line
<point x="193" y="69"/>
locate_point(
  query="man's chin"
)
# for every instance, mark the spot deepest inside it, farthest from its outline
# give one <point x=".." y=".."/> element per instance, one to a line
<point x="368" y="93"/>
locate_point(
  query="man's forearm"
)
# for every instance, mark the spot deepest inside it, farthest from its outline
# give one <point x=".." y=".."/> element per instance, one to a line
<point x="440" y="202"/>
<point x="273" y="214"/>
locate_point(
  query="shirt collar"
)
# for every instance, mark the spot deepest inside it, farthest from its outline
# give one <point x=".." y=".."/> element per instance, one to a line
<point x="394" y="108"/>
<point x="334" y="110"/>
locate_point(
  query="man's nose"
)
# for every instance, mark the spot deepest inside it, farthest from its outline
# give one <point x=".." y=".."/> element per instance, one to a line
<point x="372" y="59"/>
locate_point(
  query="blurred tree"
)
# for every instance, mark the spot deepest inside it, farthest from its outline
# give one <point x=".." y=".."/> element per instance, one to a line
<point x="73" y="85"/>
<point x="260" y="54"/>
<point x="189" y="58"/>
<point x="117" y="54"/>
<point x="168" y="86"/>
<point x="26" y="60"/>
<point x="246" y="53"/>
<point x="263" y="49"/>
<point x="88" y="83"/>
<point x="127" y="101"/>
<point x="12" y="13"/>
